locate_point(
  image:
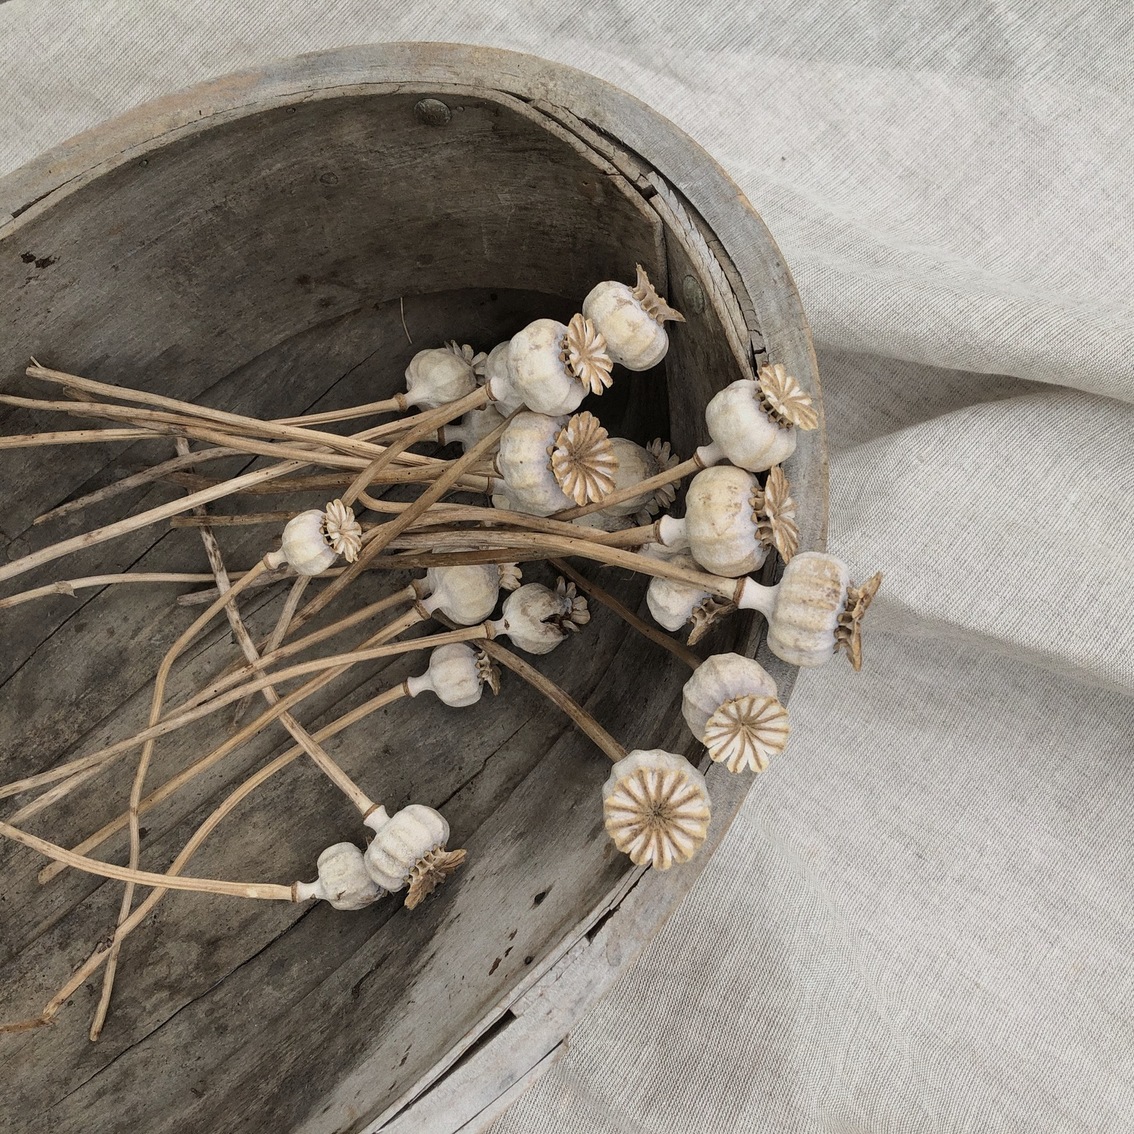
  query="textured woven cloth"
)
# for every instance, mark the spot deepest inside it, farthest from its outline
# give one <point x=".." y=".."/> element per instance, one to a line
<point x="921" y="921"/>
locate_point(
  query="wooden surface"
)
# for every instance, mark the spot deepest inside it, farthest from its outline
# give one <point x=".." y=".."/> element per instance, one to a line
<point x="261" y="255"/>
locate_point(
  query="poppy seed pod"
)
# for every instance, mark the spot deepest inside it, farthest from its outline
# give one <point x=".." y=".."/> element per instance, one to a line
<point x="457" y="675"/>
<point x="440" y="375"/>
<point x="550" y="463"/>
<point x="537" y="619"/>
<point x="755" y="423"/>
<point x="467" y="594"/>
<point x="552" y="366"/>
<point x="343" y="880"/>
<point x="730" y="521"/>
<point x="813" y="610"/>
<point x="408" y="849"/>
<point x="730" y="705"/>
<point x="631" y="320"/>
<point x="656" y="808"/>
<point x="314" y="539"/>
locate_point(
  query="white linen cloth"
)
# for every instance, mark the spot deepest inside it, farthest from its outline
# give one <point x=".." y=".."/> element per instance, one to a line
<point x="921" y="920"/>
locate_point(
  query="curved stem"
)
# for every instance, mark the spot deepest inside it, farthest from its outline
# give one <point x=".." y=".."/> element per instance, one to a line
<point x="182" y="409"/>
<point x="581" y="718"/>
<point x="70" y="586"/>
<point x="82" y="767"/>
<point x="204" y="763"/>
<point x="415" y="429"/>
<point x="475" y="400"/>
<point x="390" y="405"/>
<point x="98" y="957"/>
<point x="468" y="547"/>
<point x="393" y="528"/>
<point x="594" y="591"/>
<point x="667" y="476"/>
<point x="143" y="519"/>
<point x="466" y="634"/>
<point x="224" y="599"/>
<point x="146" y="476"/>
<point x="264" y="890"/>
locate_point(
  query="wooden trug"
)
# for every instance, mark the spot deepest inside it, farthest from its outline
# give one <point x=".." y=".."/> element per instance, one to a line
<point x="269" y="243"/>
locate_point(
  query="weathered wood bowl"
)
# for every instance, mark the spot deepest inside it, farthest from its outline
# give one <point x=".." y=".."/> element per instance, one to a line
<point x="269" y="243"/>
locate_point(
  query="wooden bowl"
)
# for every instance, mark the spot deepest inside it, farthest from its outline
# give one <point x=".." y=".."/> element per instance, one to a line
<point x="270" y="243"/>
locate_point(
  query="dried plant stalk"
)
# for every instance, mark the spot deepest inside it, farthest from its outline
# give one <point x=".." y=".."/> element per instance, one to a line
<point x="136" y="480"/>
<point x="143" y="877"/>
<point x="183" y="716"/>
<point x="594" y="591"/>
<point x="76" y="437"/>
<point x="650" y="484"/>
<point x="579" y="716"/>
<point x="100" y="954"/>
<point x="88" y="766"/>
<point x="70" y="586"/>
<point x="403" y="520"/>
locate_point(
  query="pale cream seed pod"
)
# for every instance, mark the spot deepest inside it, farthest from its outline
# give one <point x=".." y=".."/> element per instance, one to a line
<point x="456" y="675"/>
<point x="635" y="464"/>
<point x="440" y="375"/>
<point x="466" y="594"/>
<point x="813" y="610"/>
<point x="473" y="427"/>
<point x="552" y="366"/>
<point x="409" y="849"/>
<point x="552" y="463"/>
<point x="631" y="320"/>
<point x="675" y="604"/>
<point x="537" y="619"/>
<point x="498" y="379"/>
<point x="731" y="521"/>
<point x="656" y="808"/>
<point x="730" y="705"/>
<point x="755" y="423"/>
<point x="314" y="540"/>
<point x="343" y="880"/>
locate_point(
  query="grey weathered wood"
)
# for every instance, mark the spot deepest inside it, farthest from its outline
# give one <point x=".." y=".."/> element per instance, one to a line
<point x="254" y="244"/>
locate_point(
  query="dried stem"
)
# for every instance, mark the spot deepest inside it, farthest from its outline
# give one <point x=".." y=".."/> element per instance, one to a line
<point x="95" y="760"/>
<point x="348" y="453"/>
<point x="230" y="745"/>
<point x="135" y="480"/>
<point x="144" y="877"/>
<point x="581" y="718"/>
<point x="390" y="405"/>
<point x="76" y="437"/>
<point x="98" y="957"/>
<point x="70" y="586"/>
<point x="224" y="599"/>
<point x="594" y="591"/>
<point x="246" y="519"/>
<point x="468" y="547"/>
<point x="142" y="519"/>
<point x="237" y="672"/>
<point x="666" y="476"/>
<point x="242" y="423"/>
<point x="393" y="528"/>
<point x="338" y="662"/>
<point x="477" y="399"/>
<point x="416" y="428"/>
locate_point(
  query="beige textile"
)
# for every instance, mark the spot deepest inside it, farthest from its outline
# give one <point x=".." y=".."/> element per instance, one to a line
<point x="922" y="919"/>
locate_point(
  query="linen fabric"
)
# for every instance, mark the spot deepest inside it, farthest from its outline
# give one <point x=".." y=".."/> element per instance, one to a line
<point x="921" y="920"/>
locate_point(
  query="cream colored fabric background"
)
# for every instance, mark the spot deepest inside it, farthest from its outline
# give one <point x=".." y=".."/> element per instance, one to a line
<point x="922" y="919"/>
